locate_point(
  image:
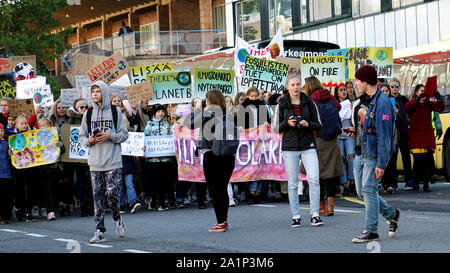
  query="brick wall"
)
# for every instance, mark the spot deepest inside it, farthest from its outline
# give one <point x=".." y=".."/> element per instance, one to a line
<point x="217" y="2"/>
<point x="185" y="15"/>
<point x="148" y="17"/>
<point x="94" y="31"/>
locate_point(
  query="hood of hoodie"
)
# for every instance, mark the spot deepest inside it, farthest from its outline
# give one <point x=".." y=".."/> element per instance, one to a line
<point x="324" y="95"/>
<point x="105" y="95"/>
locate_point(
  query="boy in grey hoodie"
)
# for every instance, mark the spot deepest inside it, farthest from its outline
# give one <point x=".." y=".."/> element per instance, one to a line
<point x="105" y="158"/>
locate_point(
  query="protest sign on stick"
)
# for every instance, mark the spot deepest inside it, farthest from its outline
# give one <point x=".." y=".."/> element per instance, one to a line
<point x="172" y="87"/>
<point x="264" y="74"/>
<point x="43" y="97"/>
<point x="380" y="57"/>
<point x="81" y="63"/>
<point x="330" y="70"/>
<point x="208" y="79"/>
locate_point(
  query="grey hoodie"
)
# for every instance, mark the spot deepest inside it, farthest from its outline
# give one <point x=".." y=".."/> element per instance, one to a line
<point x="108" y="155"/>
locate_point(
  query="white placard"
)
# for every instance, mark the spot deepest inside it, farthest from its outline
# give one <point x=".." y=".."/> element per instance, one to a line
<point x="68" y="96"/>
<point x="82" y="81"/>
<point x="86" y="94"/>
<point x="25" y="89"/>
<point x="43" y="97"/>
<point x="122" y="81"/>
<point x="133" y="145"/>
<point x="76" y="150"/>
<point x="157" y="146"/>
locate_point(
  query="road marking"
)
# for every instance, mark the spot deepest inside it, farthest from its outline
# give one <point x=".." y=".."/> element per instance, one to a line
<point x="100" y="246"/>
<point x="11" y="230"/>
<point x="354" y="200"/>
<point x="265" y="206"/>
<point x="420" y="217"/>
<point x="339" y="210"/>
<point x="136" y="251"/>
<point x="66" y="240"/>
<point x="35" y="235"/>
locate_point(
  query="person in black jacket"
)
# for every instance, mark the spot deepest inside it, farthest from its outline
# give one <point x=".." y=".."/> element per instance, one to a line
<point x="297" y="119"/>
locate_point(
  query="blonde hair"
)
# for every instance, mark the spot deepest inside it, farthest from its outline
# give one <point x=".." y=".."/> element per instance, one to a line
<point x="26" y="121"/>
<point x="42" y="120"/>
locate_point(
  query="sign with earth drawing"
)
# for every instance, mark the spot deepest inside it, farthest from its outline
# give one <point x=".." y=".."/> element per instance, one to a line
<point x="172" y="87"/>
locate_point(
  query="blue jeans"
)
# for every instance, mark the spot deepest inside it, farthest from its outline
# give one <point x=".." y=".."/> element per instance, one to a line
<point x="292" y="167"/>
<point x="256" y="186"/>
<point x="128" y="186"/>
<point x="367" y="188"/>
<point x="347" y="147"/>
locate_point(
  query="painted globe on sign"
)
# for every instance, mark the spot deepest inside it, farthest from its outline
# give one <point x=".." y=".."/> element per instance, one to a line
<point x="381" y="55"/>
<point x="122" y="65"/>
<point x="242" y="55"/>
<point x="184" y="78"/>
<point x="37" y="97"/>
<point x="45" y="137"/>
<point x="18" y="142"/>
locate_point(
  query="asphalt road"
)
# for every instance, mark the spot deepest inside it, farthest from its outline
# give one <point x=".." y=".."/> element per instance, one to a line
<point x="262" y="228"/>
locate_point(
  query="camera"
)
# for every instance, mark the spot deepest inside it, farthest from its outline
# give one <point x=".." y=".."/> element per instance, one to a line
<point x="297" y="120"/>
<point x="421" y="96"/>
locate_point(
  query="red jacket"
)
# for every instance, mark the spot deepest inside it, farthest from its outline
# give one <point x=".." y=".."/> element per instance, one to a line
<point x="421" y="134"/>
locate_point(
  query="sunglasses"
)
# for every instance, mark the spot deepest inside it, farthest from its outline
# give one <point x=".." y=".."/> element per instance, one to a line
<point x="396" y="86"/>
<point x="83" y="107"/>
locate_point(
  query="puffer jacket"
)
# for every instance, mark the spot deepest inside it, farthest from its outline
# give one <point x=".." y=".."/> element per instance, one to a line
<point x="74" y="116"/>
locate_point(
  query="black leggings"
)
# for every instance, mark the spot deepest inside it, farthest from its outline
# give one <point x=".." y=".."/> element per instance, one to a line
<point x="218" y="171"/>
<point x="423" y="166"/>
<point x="6" y="198"/>
<point x="328" y="186"/>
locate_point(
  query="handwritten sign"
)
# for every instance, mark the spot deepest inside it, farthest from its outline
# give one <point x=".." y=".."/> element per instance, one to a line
<point x="25" y="89"/>
<point x="5" y="65"/>
<point x="139" y="73"/>
<point x="380" y="57"/>
<point x="70" y="136"/>
<point x="19" y="107"/>
<point x="139" y="92"/>
<point x="7" y="85"/>
<point x="172" y="87"/>
<point x="81" y="63"/>
<point x="330" y="70"/>
<point x="34" y="148"/>
<point x="132" y="146"/>
<point x="157" y="146"/>
<point x="207" y="79"/>
<point x="68" y="96"/>
<point x="340" y="52"/>
<point x="43" y="97"/>
<point x="109" y="70"/>
<point x="264" y="74"/>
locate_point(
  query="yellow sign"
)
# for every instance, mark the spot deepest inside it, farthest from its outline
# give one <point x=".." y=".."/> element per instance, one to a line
<point x="139" y="73"/>
<point x="34" y="148"/>
<point x="380" y="57"/>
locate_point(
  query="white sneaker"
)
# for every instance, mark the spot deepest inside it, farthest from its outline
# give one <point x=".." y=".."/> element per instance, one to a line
<point x="99" y="237"/>
<point x="121" y="230"/>
<point x="43" y="212"/>
<point x="232" y="203"/>
<point x="35" y="212"/>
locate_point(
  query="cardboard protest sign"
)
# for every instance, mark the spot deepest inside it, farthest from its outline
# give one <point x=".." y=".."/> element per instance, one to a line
<point x="5" y="65"/>
<point x="157" y="146"/>
<point x="7" y="85"/>
<point x="207" y="79"/>
<point x="25" y="67"/>
<point x="139" y="92"/>
<point x="380" y="57"/>
<point x="340" y="52"/>
<point x="172" y="87"/>
<point x="109" y="70"/>
<point x="81" y="63"/>
<point x="258" y="156"/>
<point x="330" y="70"/>
<point x="75" y="152"/>
<point x="139" y="73"/>
<point x="25" y="89"/>
<point x="265" y="75"/>
<point x="133" y="145"/>
<point x="68" y="96"/>
<point x="294" y="65"/>
<point x="34" y="148"/>
<point x="19" y="107"/>
<point x="43" y="97"/>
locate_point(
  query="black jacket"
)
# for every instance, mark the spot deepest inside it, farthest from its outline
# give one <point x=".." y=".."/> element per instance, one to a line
<point x="403" y="118"/>
<point x="297" y="139"/>
<point x="248" y="117"/>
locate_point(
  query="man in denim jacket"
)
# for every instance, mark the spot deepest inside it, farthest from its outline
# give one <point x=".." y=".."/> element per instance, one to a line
<point x="373" y="119"/>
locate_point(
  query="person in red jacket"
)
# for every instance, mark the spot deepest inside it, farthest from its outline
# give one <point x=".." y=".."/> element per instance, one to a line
<point x="421" y="135"/>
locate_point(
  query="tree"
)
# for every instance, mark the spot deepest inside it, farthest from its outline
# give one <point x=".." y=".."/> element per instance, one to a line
<point x="27" y="27"/>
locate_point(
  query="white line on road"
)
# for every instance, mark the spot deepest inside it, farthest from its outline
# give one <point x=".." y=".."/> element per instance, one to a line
<point x="11" y="230"/>
<point x="265" y="206"/>
<point x="35" y="235"/>
<point x="67" y="240"/>
<point x="100" y="246"/>
<point x="136" y="251"/>
<point x="420" y="217"/>
<point x="338" y="210"/>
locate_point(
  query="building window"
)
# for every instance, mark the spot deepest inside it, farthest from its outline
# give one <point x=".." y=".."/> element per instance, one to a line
<point x="365" y="7"/>
<point x="320" y="9"/>
<point x="149" y="38"/>
<point x="280" y="14"/>
<point x="303" y="12"/>
<point x="337" y="7"/>
<point x="248" y="20"/>
<point x="402" y="3"/>
<point x="219" y="21"/>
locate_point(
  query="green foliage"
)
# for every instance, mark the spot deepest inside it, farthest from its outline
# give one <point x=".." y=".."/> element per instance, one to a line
<point x="26" y="29"/>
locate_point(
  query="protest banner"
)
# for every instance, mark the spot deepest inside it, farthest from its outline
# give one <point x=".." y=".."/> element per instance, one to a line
<point x="81" y="63"/>
<point x="172" y="87"/>
<point x="34" y="148"/>
<point x="7" y="85"/>
<point x="243" y="49"/>
<point x="157" y="146"/>
<point x="329" y="70"/>
<point x="264" y="74"/>
<point x="380" y="57"/>
<point x="68" y="96"/>
<point x="75" y="153"/>
<point x="139" y="92"/>
<point x="208" y="79"/>
<point x="43" y="97"/>
<point x="20" y="107"/>
<point x="139" y="73"/>
<point x="340" y="52"/>
<point x="258" y="156"/>
<point x="133" y="145"/>
<point x="109" y="70"/>
<point x="25" y="89"/>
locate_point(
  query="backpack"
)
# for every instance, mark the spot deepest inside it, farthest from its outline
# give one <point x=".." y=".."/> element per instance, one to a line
<point x="329" y="117"/>
<point x="226" y="138"/>
<point x="89" y="117"/>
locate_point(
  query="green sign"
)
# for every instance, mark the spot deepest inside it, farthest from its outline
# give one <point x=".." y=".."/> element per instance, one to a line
<point x="172" y="87"/>
<point x="207" y="79"/>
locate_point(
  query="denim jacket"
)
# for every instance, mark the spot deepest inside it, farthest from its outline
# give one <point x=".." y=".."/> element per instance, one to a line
<point x="378" y="130"/>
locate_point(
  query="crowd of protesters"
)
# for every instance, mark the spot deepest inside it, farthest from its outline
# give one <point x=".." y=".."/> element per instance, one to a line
<point x="327" y="154"/>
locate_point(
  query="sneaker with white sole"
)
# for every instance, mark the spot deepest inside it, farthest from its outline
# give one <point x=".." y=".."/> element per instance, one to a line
<point x="99" y="237"/>
<point x="316" y="221"/>
<point x="393" y="224"/>
<point x="365" y="237"/>
<point x="296" y="222"/>
<point x="121" y="230"/>
<point x="135" y="208"/>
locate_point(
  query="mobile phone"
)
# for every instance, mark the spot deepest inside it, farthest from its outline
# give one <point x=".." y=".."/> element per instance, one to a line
<point x="96" y="131"/>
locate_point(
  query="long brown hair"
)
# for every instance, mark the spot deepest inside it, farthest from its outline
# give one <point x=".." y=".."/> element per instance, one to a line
<point x="216" y="97"/>
<point x="312" y="84"/>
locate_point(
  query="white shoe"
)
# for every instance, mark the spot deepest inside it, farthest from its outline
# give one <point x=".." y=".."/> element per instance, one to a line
<point x="121" y="230"/>
<point x="232" y="203"/>
<point x="99" y="237"/>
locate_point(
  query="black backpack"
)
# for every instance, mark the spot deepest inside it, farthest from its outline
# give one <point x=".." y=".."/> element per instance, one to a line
<point x="331" y="122"/>
<point x="226" y="138"/>
<point x="89" y="117"/>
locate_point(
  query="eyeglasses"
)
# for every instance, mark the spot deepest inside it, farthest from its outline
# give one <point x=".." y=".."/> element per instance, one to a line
<point x="83" y="107"/>
<point x="396" y="86"/>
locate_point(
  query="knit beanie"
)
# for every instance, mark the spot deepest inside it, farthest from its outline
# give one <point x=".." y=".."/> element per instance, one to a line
<point x="367" y="73"/>
<point x="81" y="102"/>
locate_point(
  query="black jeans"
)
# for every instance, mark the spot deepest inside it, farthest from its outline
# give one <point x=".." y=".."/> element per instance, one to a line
<point x="6" y="198"/>
<point x="423" y="167"/>
<point x="389" y="179"/>
<point x="328" y="186"/>
<point x="157" y="180"/>
<point x="218" y="171"/>
<point x="26" y="190"/>
<point x="403" y="145"/>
